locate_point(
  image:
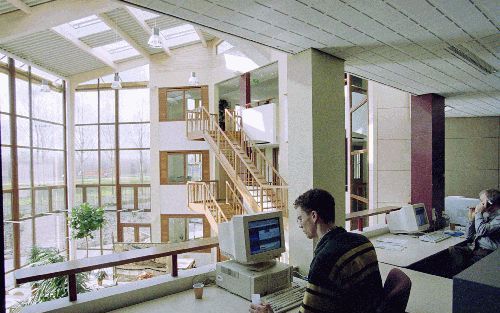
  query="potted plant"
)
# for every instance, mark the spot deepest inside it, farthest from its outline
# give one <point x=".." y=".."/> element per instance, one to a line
<point x="100" y="275"/>
<point x="85" y="219"/>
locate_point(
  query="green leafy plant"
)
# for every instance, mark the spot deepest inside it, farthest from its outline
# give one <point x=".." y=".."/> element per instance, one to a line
<point x="85" y="219"/>
<point x="52" y="288"/>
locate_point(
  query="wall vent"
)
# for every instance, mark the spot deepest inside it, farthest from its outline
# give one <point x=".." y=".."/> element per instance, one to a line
<point x="467" y="56"/>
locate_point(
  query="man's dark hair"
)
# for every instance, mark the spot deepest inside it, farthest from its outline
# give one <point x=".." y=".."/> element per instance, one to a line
<point x="318" y="200"/>
<point x="492" y="195"/>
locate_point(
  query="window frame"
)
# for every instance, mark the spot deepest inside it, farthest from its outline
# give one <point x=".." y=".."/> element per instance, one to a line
<point x="205" y="165"/>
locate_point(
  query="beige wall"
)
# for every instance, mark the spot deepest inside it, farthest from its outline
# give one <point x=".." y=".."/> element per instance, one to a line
<point x="390" y="147"/>
<point x="471" y="155"/>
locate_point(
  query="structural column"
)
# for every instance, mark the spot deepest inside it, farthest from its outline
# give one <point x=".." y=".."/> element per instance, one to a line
<point x="427" y="152"/>
<point x="316" y="138"/>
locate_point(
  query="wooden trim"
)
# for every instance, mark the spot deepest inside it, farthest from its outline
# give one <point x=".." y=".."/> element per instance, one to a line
<point x="354" y="152"/>
<point x="204" y="97"/>
<point x="359" y="104"/>
<point x="107" y="86"/>
<point x="359" y="198"/>
<point x="205" y="166"/>
<point x="163" y="106"/>
<point x="365" y="213"/>
<point x="245" y="88"/>
<point x="164" y="226"/>
<point x="119" y="234"/>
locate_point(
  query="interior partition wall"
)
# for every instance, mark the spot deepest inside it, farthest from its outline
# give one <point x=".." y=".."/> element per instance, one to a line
<point x="32" y="111"/>
<point x="112" y="160"/>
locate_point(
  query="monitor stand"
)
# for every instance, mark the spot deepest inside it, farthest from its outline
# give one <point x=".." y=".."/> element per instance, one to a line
<point x="261" y="266"/>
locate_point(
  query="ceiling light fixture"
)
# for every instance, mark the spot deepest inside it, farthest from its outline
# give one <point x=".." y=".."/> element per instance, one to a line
<point x="193" y="80"/>
<point x="45" y="86"/>
<point x="154" y="40"/>
<point x="116" y="84"/>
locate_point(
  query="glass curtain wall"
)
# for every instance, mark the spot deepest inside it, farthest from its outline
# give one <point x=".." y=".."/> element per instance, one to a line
<point x="33" y="147"/>
<point x="112" y="160"/>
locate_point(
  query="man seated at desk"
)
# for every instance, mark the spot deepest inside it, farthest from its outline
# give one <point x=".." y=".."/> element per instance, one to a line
<point x="344" y="274"/>
<point x="483" y="232"/>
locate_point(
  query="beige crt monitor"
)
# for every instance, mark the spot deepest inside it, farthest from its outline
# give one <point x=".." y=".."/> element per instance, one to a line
<point x="253" y="238"/>
<point x="408" y="219"/>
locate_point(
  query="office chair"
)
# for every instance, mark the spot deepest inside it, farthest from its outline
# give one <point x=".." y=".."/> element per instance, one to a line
<point x="397" y="288"/>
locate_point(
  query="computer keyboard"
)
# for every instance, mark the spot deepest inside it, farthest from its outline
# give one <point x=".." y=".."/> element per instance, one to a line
<point x="286" y="299"/>
<point x="434" y="237"/>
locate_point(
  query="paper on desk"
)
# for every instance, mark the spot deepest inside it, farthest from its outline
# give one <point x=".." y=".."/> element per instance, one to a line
<point x="389" y="246"/>
<point x="393" y="240"/>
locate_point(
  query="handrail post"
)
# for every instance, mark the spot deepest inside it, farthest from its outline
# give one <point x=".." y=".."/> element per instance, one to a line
<point x="72" y="291"/>
<point x="175" y="272"/>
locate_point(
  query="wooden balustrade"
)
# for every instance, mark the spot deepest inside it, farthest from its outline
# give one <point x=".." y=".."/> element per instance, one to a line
<point x="200" y="192"/>
<point x="244" y="162"/>
<point x="71" y="268"/>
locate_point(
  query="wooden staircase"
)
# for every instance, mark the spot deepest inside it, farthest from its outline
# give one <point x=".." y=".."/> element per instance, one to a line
<point x="255" y="182"/>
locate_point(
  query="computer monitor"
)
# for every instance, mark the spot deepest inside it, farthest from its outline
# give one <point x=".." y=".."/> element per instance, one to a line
<point x="253" y="238"/>
<point x="408" y="219"/>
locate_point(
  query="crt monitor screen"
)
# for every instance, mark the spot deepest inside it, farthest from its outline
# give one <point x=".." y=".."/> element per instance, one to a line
<point x="420" y="216"/>
<point x="264" y="235"/>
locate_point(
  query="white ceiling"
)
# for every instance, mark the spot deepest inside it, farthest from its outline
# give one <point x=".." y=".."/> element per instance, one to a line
<point x="397" y="43"/>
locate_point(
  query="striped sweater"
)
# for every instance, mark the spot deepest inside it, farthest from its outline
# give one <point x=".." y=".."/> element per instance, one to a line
<point x="344" y="275"/>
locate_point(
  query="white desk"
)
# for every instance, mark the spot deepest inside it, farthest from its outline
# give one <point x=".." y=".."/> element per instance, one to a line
<point x="429" y="293"/>
<point x="415" y="250"/>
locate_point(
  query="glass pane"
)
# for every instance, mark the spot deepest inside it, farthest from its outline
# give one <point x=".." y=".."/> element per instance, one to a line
<point x="92" y="196"/>
<point x="7" y="206"/>
<point x="48" y="167"/>
<point x="22" y="97"/>
<point x="58" y="199"/>
<point x="134" y="167"/>
<point x="4" y="93"/>
<point x="135" y="217"/>
<point x="41" y="201"/>
<point x="109" y="231"/>
<point x="50" y="232"/>
<point x="134" y="105"/>
<point x="86" y="107"/>
<point x="78" y="197"/>
<point x="24" y="164"/>
<point x="128" y="234"/>
<point x="175" y="105"/>
<point x="6" y="169"/>
<point x="85" y="137"/>
<point x="108" y="197"/>
<point x="359" y="120"/>
<point x="194" y="170"/>
<point x="8" y="242"/>
<point x="127" y="198"/>
<point x="86" y="167"/>
<point x="144" y="234"/>
<point x="144" y="198"/>
<point x="134" y="136"/>
<point x="27" y="240"/>
<point x="195" y="228"/>
<point x="175" y="168"/>
<point x="5" y="124"/>
<point x="24" y="203"/>
<point x="357" y="98"/>
<point x="108" y="165"/>
<point x="47" y="135"/>
<point x="23" y="132"/>
<point x="176" y="229"/>
<point x="47" y="105"/>
<point x="107" y="106"/>
<point x="107" y="136"/>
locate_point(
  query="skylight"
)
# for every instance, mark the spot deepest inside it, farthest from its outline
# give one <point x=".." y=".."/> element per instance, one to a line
<point x="87" y="26"/>
<point x="179" y="35"/>
<point x="223" y="47"/>
<point x="142" y="15"/>
<point x="120" y="50"/>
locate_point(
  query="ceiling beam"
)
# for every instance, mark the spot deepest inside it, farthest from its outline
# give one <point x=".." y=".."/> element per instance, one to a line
<point x="99" y="53"/>
<point x="111" y="24"/>
<point x="202" y="38"/>
<point x="20" y="5"/>
<point x="147" y="29"/>
<point x="94" y="74"/>
<point x="17" y="24"/>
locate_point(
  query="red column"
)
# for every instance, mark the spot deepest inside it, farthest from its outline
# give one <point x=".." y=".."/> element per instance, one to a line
<point x="427" y="152"/>
<point x="245" y="89"/>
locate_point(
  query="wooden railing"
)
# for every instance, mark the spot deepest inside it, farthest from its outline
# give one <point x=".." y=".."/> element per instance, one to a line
<point x="71" y="268"/>
<point x="200" y="192"/>
<point x="243" y="169"/>
<point x="233" y="199"/>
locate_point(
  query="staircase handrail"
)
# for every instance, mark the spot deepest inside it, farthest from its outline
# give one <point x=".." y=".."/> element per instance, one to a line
<point x="229" y="114"/>
<point x="232" y="190"/>
<point x="210" y="196"/>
